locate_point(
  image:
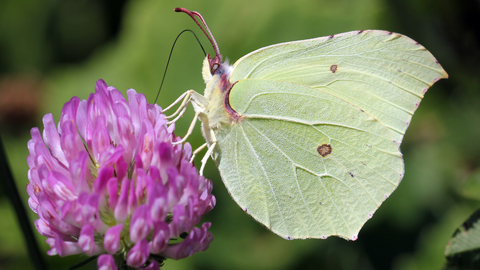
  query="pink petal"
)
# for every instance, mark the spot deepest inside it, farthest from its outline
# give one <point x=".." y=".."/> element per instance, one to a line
<point x="160" y="239"/>
<point x="106" y="262"/>
<point x="111" y="241"/>
<point x="140" y="225"/>
<point x="86" y="241"/>
<point x="139" y="253"/>
<point x="62" y="248"/>
<point x="52" y="138"/>
<point x="122" y="204"/>
<point x="152" y="266"/>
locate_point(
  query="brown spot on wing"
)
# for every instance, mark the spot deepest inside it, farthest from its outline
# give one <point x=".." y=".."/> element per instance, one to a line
<point x="333" y="68"/>
<point x="324" y="150"/>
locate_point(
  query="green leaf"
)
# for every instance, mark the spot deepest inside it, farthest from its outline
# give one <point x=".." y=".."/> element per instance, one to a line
<point x="463" y="249"/>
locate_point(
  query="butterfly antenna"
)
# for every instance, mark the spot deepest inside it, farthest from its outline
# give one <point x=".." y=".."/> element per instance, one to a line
<point x="170" y="56"/>
<point x="210" y="37"/>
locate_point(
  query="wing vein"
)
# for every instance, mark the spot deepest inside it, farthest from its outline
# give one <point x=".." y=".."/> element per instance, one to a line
<point x="294" y="165"/>
<point x="266" y="177"/>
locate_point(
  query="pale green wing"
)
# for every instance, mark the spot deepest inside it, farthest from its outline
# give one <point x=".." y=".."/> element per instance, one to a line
<point x="383" y="73"/>
<point x="352" y="94"/>
<point x="272" y="167"/>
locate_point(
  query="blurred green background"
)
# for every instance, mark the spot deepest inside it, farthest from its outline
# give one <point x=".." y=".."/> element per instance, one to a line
<point x="51" y="50"/>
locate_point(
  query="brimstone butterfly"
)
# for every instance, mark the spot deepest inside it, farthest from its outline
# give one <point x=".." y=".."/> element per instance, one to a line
<point x="306" y="134"/>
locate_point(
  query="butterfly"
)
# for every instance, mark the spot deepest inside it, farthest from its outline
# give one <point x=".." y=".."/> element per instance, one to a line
<point x="306" y="134"/>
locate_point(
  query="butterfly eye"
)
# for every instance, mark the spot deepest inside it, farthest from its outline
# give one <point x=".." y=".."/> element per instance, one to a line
<point x="214" y="68"/>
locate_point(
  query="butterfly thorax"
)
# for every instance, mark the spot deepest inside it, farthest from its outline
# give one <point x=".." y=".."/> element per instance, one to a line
<point x="217" y="86"/>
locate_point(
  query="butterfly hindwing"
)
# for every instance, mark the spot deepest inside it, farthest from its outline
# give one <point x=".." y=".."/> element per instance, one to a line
<point x="303" y="162"/>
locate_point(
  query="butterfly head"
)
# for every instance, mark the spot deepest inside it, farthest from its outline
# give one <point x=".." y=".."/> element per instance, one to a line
<point x="215" y="69"/>
<point x="215" y="64"/>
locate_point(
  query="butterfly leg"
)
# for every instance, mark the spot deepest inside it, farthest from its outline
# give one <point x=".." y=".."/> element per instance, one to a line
<point x="182" y="112"/>
<point x="206" y="156"/>
<point x="190" y="130"/>
<point x="195" y="153"/>
<point x="185" y="98"/>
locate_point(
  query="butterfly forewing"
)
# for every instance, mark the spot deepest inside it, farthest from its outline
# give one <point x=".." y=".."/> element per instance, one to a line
<point x="383" y="73"/>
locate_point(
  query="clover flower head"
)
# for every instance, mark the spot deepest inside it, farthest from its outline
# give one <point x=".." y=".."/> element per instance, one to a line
<point x="110" y="181"/>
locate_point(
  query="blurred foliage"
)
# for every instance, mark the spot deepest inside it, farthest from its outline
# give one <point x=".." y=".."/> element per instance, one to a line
<point x="67" y="45"/>
<point x="470" y="188"/>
